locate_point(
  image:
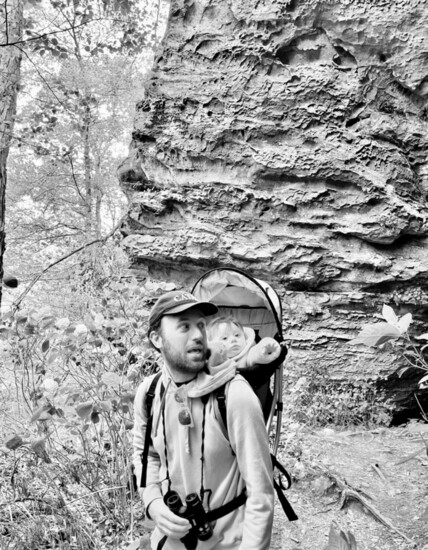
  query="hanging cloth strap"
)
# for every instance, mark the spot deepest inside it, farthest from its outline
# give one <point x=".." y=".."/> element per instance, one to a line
<point x="280" y="488"/>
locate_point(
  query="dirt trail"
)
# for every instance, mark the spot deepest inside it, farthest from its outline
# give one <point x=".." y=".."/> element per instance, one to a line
<point x="353" y="478"/>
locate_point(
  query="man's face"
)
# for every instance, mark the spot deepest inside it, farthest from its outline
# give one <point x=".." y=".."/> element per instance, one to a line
<point x="182" y="340"/>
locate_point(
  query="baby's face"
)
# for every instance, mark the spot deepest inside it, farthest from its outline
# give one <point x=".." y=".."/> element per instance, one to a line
<point x="232" y="337"/>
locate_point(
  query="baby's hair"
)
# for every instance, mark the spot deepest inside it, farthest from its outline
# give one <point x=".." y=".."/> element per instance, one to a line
<point x="213" y="326"/>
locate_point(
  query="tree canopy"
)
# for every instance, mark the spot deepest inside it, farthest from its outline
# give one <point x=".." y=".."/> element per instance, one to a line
<point x="83" y="68"/>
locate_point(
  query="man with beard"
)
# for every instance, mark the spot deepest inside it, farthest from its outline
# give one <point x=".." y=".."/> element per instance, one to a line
<point x="187" y="449"/>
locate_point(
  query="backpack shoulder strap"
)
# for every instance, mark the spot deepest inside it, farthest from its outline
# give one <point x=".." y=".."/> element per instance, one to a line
<point x="148" y="435"/>
<point x="220" y="395"/>
<point x="151" y="394"/>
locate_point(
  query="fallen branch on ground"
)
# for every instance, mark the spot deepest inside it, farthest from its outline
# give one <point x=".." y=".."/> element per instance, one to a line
<point x="349" y="493"/>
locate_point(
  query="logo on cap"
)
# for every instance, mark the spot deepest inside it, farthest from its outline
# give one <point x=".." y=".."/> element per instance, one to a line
<point x="184" y="296"/>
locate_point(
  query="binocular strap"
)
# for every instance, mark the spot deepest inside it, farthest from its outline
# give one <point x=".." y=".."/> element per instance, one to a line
<point x="214" y="515"/>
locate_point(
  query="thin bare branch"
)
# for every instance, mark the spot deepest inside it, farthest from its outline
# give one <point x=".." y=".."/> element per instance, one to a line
<point x="44" y="35"/>
<point x="73" y="175"/>
<point x="18" y="301"/>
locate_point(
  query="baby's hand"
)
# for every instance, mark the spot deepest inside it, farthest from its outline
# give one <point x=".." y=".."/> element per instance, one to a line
<point x="269" y="350"/>
<point x="218" y="352"/>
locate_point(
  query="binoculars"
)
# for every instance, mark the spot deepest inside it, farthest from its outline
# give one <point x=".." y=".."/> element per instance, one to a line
<point x="194" y="512"/>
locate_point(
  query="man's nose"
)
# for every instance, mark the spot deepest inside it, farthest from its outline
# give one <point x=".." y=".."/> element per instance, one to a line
<point x="197" y="333"/>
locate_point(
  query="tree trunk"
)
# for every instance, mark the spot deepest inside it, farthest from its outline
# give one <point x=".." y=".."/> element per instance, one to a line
<point x="11" y="14"/>
<point x="89" y="222"/>
<point x="289" y="138"/>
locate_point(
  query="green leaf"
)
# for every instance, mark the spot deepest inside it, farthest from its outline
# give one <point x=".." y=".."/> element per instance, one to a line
<point x="405" y="322"/>
<point x="97" y="342"/>
<point x="401" y="371"/>
<point x="340" y="540"/>
<point x="128" y="397"/>
<point x="84" y="410"/>
<point x="21" y="319"/>
<point x="105" y="406"/>
<point x="62" y="323"/>
<point x="111" y="379"/>
<point x="50" y="386"/>
<point x="389" y="315"/>
<point x="14" y="442"/>
<point x="45" y="346"/>
<point x="7" y="315"/>
<point x="423" y="382"/>
<point x="376" y="334"/>
<point x="47" y="321"/>
<point x="89" y="322"/>
<point x="30" y="329"/>
<point x="37" y="414"/>
<point x="45" y="415"/>
<point x="38" y="446"/>
<point x="5" y="332"/>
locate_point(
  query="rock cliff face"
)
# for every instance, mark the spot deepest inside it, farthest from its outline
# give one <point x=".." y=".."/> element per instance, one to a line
<point x="289" y="138"/>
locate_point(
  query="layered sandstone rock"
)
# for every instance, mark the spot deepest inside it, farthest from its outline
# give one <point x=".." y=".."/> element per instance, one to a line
<point x="289" y="138"/>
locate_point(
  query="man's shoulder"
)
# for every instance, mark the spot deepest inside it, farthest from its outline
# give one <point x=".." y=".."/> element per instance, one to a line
<point x="238" y="380"/>
<point x="238" y="389"/>
<point x="144" y="386"/>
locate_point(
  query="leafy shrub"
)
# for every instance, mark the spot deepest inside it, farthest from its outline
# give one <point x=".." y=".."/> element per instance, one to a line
<point x="70" y="441"/>
<point x="393" y="332"/>
<point x="317" y="400"/>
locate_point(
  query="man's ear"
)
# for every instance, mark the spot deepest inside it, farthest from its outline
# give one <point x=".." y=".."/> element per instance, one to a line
<point x="156" y="339"/>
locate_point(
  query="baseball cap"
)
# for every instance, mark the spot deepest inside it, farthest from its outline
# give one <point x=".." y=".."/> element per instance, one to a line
<point x="177" y="301"/>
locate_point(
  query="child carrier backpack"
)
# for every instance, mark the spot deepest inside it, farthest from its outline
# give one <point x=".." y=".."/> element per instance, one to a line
<point x="255" y="304"/>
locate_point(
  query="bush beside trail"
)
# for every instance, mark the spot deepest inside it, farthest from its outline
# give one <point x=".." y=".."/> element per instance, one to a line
<point x="67" y="417"/>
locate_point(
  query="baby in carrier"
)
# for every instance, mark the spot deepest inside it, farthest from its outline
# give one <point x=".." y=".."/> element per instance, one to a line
<point x="234" y="346"/>
<point x="233" y="349"/>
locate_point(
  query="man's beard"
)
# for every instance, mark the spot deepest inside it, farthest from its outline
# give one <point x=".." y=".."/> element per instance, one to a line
<point x="181" y="362"/>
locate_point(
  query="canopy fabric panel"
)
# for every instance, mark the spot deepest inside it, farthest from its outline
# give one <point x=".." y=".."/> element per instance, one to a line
<point x="250" y="301"/>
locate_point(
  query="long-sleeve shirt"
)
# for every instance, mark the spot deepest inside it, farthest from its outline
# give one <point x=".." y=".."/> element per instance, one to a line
<point x="233" y="461"/>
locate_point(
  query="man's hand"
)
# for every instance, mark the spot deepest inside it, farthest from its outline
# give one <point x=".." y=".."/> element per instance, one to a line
<point x="169" y="523"/>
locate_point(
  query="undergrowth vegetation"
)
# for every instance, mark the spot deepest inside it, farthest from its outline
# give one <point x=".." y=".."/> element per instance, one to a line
<point x="67" y="397"/>
<point x="314" y="399"/>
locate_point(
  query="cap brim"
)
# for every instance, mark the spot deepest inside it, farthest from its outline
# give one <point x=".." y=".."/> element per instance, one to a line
<point x="207" y="308"/>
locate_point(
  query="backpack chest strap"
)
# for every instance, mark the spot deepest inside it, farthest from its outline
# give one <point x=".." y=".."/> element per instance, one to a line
<point x="221" y="511"/>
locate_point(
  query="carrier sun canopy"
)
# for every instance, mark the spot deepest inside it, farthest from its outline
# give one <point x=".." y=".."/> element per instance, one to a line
<point x="250" y="301"/>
